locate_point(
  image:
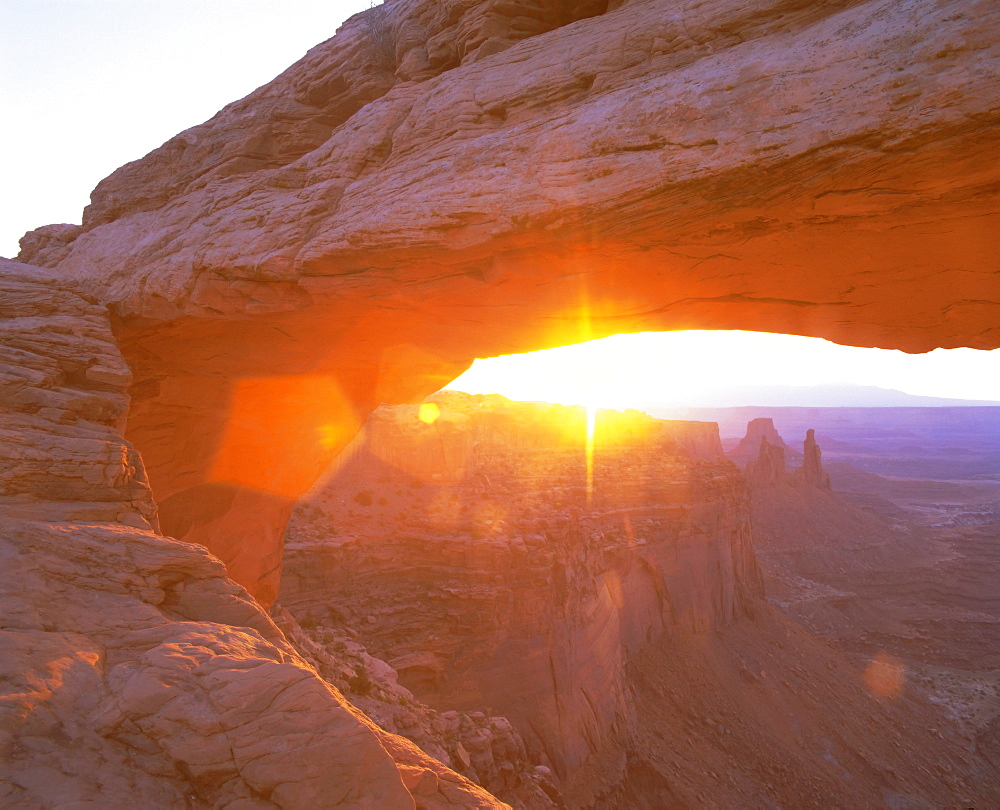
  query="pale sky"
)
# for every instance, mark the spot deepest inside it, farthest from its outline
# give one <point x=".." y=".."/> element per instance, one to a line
<point x="88" y="85"/>
<point x="681" y="369"/>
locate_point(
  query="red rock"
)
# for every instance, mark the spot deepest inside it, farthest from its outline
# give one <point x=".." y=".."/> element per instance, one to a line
<point x="627" y="640"/>
<point x="811" y="471"/>
<point x="758" y="430"/>
<point x="532" y="174"/>
<point x="478" y="607"/>
<point x="768" y="468"/>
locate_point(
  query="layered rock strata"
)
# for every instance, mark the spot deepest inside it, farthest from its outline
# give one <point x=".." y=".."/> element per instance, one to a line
<point x="132" y="671"/>
<point x="440" y="181"/>
<point x="489" y="575"/>
<point x="586" y="168"/>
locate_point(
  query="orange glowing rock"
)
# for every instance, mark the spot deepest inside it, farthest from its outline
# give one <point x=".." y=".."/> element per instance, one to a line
<point x="272" y="418"/>
<point x="885" y="676"/>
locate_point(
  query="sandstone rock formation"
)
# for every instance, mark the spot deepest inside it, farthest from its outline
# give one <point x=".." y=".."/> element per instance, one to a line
<point x="485" y="748"/>
<point x="132" y="671"/>
<point x="759" y="430"/>
<point x="585" y="167"/>
<point x="766" y="468"/>
<point x="506" y="176"/>
<point x="811" y="472"/>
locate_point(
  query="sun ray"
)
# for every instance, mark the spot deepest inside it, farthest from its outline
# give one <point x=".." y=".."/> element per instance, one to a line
<point x="591" y="424"/>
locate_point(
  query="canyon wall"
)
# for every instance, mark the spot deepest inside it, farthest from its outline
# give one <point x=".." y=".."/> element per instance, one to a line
<point x="620" y="627"/>
<point x="442" y="181"/>
<point x="505" y="582"/>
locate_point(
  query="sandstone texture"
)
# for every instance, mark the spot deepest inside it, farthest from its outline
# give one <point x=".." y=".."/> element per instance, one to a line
<point x="447" y="180"/>
<point x="132" y="671"/>
<point x="485" y="748"/>
<point x="746" y="129"/>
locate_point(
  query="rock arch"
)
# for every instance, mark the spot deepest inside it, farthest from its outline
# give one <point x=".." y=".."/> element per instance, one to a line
<point x="347" y="234"/>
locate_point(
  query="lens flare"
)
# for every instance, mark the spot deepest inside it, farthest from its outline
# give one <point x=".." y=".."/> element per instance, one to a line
<point x="885" y="676"/>
<point x="429" y="413"/>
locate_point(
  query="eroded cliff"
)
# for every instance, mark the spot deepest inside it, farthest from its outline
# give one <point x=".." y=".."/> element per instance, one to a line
<point x="476" y="554"/>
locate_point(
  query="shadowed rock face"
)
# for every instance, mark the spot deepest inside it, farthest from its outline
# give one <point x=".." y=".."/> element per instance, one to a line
<point x="769" y="466"/>
<point x="512" y="176"/>
<point x="133" y="672"/>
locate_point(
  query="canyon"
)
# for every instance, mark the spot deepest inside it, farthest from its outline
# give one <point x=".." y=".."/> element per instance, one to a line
<point x="435" y="183"/>
<point x="898" y="569"/>
<point x="469" y="555"/>
<point x="621" y="629"/>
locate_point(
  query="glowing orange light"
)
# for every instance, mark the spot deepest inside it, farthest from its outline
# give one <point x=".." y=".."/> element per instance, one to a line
<point x="306" y="418"/>
<point x="429" y="413"/>
<point x="591" y="423"/>
<point x="885" y="676"/>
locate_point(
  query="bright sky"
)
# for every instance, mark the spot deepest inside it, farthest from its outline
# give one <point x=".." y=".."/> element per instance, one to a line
<point x="88" y="85"/>
<point x="681" y="369"/>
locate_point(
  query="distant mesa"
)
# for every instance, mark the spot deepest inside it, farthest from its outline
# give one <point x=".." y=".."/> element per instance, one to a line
<point x="765" y="467"/>
<point x="761" y="428"/>
<point x="440" y="450"/>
